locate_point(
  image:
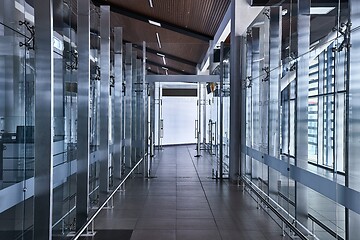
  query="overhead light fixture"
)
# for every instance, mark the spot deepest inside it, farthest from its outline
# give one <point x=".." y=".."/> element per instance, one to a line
<point x="320" y="10"/>
<point x="166" y="70"/>
<point x="151" y="3"/>
<point x="154" y="23"/>
<point x="158" y="39"/>
<point x="163" y="57"/>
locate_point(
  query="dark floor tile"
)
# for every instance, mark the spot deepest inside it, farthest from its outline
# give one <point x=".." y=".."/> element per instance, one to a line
<point x="197" y="234"/>
<point x="195" y="224"/>
<point x="153" y="235"/>
<point x="193" y="213"/>
<point x="115" y="223"/>
<point x="156" y="223"/>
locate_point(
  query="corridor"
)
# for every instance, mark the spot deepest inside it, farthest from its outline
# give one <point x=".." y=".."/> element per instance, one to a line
<point x="183" y="202"/>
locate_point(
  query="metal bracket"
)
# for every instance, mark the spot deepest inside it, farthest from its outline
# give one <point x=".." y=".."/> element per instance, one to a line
<point x="73" y="65"/>
<point x="266" y="12"/>
<point x="97" y="73"/>
<point x="267" y="71"/>
<point x="249" y="33"/>
<point x="30" y="41"/>
<point x="112" y="81"/>
<point x="248" y="82"/>
<point x="346" y="34"/>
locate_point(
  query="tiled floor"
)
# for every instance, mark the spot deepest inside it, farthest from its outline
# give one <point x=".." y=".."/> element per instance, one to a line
<point x="182" y="202"/>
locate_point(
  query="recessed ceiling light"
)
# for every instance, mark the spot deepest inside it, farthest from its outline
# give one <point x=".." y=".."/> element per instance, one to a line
<point x="154" y="23"/>
<point x="320" y="10"/>
<point x="158" y="39"/>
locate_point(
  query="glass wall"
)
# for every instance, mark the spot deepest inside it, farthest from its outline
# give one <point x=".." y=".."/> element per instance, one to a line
<point x="17" y="117"/>
<point x="300" y="63"/>
<point x="17" y="75"/>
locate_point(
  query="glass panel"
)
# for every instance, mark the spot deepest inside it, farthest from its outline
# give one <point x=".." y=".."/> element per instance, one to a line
<point x="17" y="74"/>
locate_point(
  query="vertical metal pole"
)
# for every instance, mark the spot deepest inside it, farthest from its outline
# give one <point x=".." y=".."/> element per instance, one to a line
<point x="255" y="70"/>
<point x="83" y="127"/>
<point x="104" y="97"/>
<point x="352" y="166"/>
<point x="302" y="91"/>
<point x="235" y="99"/>
<point x="264" y="92"/>
<point x="128" y="104"/>
<point x="118" y="70"/>
<point x="221" y="114"/>
<point x="44" y="114"/>
<point x="144" y="123"/>
<point x="152" y="118"/>
<point x="249" y="101"/>
<point x="274" y="95"/>
<point x="243" y="108"/>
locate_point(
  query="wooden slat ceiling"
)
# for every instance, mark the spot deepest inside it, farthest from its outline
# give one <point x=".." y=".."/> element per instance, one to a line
<point x="187" y="19"/>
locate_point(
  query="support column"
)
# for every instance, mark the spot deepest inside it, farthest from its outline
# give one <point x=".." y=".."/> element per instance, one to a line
<point x="301" y="112"/>
<point x="104" y="97"/>
<point x="221" y="114"/>
<point x="44" y="115"/>
<point x="352" y="167"/>
<point x="118" y="134"/>
<point x="128" y="104"/>
<point x="274" y="95"/>
<point x="255" y="88"/>
<point x="83" y="119"/>
<point x="248" y="89"/>
<point x="235" y="100"/>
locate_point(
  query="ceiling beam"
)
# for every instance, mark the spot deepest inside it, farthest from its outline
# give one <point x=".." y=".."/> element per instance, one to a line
<point x="169" y="56"/>
<point x="168" y="67"/>
<point x="165" y="25"/>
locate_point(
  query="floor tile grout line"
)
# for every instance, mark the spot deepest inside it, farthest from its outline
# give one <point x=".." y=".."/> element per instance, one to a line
<point x="202" y="186"/>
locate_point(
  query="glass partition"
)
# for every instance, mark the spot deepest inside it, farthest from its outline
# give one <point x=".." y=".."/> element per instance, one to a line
<point x="297" y="95"/>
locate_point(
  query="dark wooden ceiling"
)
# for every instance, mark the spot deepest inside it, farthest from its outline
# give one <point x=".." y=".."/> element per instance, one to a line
<point x="186" y="28"/>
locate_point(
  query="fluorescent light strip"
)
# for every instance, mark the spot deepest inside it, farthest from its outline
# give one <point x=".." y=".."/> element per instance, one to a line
<point x="151" y="3"/>
<point x="158" y="39"/>
<point x="154" y="23"/>
<point x="164" y="60"/>
<point x="320" y="10"/>
<point x="160" y="55"/>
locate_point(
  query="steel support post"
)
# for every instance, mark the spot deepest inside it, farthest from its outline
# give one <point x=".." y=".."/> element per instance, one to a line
<point x="247" y="85"/>
<point x="264" y="91"/>
<point x="301" y="112"/>
<point x="128" y="104"/>
<point x="243" y="107"/>
<point x="83" y="107"/>
<point x="255" y="88"/>
<point x="235" y="99"/>
<point x="274" y="95"/>
<point x="221" y="113"/>
<point x="44" y="116"/>
<point x="352" y="167"/>
<point x="118" y="124"/>
<point x="104" y="97"/>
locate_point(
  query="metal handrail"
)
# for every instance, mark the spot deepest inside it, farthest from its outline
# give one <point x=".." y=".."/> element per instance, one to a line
<point x="92" y="218"/>
<point x="256" y="190"/>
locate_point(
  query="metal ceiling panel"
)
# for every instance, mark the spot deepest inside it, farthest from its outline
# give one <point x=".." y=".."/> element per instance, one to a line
<point x="203" y="16"/>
